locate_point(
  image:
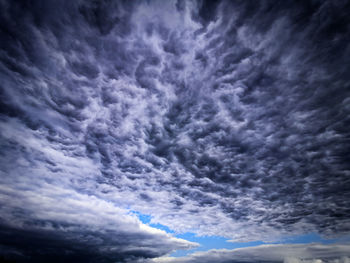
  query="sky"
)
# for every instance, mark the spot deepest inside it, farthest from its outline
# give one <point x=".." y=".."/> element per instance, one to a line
<point x="173" y="131"/>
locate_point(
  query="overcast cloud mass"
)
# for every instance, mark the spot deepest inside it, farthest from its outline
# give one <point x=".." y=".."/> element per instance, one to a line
<point x="219" y="118"/>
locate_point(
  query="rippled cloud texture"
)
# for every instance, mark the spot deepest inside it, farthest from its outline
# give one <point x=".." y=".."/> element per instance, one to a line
<point x="220" y="118"/>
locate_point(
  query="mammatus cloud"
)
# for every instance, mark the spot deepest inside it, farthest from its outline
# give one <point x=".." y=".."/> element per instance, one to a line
<point x="297" y="253"/>
<point x="225" y="118"/>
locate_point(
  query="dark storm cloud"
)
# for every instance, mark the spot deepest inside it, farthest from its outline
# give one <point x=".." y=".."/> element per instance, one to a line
<point x="75" y="246"/>
<point x="220" y="118"/>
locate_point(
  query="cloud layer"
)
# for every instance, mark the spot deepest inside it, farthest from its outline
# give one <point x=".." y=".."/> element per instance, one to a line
<point x="219" y="118"/>
<point x="297" y="253"/>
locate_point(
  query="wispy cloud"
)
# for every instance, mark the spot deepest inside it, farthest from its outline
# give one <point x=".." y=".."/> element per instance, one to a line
<point x="286" y="253"/>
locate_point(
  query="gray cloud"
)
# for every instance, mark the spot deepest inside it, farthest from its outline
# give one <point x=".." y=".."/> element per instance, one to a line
<point x="225" y="118"/>
<point x="286" y="253"/>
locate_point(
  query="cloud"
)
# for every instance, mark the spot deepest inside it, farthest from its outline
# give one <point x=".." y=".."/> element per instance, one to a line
<point x="225" y="118"/>
<point x="48" y="215"/>
<point x="286" y="253"/>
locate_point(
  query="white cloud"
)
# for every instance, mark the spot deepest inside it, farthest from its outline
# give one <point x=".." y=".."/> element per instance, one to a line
<point x="286" y="253"/>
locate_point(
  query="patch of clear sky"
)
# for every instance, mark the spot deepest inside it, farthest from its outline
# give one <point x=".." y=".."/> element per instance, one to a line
<point x="217" y="242"/>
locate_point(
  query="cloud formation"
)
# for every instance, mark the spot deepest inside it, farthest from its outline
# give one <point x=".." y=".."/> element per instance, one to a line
<point x="216" y="117"/>
<point x="297" y="253"/>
